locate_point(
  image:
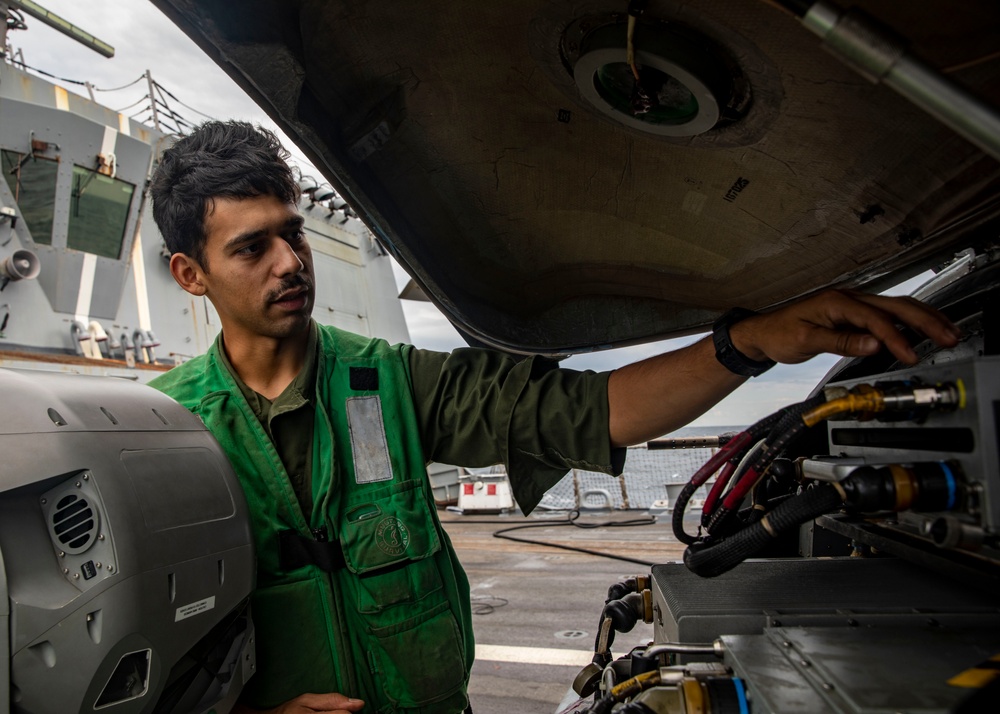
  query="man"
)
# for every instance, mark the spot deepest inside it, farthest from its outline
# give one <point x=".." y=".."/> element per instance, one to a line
<point x="359" y="590"/>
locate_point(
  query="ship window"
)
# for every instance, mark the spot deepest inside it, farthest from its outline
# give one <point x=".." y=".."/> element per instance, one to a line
<point x="32" y="180"/>
<point x="98" y="212"/>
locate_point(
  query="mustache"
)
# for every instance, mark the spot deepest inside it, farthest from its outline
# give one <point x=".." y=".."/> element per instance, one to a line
<point x="287" y="285"/>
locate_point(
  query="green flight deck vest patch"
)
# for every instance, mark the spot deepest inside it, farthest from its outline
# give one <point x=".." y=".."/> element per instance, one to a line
<point x="389" y="621"/>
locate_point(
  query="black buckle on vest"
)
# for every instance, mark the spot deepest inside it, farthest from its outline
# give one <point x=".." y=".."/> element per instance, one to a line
<point x="295" y="551"/>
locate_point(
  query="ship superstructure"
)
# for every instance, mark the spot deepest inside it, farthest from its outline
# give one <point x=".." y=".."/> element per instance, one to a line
<point x="84" y="281"/>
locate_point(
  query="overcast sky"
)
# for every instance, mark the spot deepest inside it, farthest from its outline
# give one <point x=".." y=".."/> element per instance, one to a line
<point x="144" y="39"/>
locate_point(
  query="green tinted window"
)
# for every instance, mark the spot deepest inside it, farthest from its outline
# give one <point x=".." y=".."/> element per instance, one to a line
<point x="97" y="213"/>
<point x="33" y="183"/>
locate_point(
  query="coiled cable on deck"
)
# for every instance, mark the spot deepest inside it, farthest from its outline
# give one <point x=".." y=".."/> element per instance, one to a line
<point x="572" y="521"/>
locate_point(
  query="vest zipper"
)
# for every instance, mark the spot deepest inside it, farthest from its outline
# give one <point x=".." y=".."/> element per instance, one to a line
<point x="340" y="645"/>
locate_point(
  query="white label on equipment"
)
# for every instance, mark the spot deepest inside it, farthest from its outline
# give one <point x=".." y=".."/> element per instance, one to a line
<point x="195" y="608"/>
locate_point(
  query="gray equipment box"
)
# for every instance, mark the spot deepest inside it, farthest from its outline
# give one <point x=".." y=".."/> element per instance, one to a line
<point x="126" y="558"/>
<point x="844" y="592"/>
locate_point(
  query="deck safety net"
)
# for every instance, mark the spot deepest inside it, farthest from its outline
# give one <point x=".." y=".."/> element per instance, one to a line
<point x="651" y="477"/>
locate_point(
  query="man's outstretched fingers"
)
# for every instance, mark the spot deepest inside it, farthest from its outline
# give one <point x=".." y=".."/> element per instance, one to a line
<point x="930" y="322"/>
<point x="846" y="323"/>
<point x="879" y="315"/>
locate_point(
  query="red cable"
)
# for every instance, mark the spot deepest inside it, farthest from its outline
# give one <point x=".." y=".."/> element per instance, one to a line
<point x="718" y="487"/>
<point x="721" y="456"/>
<point x="735" y="497"/>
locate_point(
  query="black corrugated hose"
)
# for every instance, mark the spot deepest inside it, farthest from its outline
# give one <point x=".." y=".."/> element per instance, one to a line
<point x="709" y="561"/>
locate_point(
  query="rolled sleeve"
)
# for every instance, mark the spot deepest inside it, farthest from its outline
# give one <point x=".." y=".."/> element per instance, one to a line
<point x="478" y="408"/>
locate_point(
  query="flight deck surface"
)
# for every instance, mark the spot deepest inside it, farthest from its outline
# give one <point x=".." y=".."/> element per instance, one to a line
<point x="538" y="607"/>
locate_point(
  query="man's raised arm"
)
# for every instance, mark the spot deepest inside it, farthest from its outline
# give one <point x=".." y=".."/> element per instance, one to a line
<point x="663" y="393"/>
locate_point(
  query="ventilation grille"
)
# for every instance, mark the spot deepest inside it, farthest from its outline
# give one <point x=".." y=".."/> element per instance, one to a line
<point x="74" y="523"/>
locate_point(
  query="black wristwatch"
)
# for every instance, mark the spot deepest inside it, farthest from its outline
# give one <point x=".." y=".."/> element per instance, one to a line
<point x="726" y="352"/>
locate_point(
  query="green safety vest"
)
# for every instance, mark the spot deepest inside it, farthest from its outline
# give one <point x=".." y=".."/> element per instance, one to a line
<point x="390" y="623"/>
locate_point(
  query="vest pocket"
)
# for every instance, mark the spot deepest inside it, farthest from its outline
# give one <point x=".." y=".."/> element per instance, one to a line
<point x="438" y="673"/>
<point x="388" y="538"/>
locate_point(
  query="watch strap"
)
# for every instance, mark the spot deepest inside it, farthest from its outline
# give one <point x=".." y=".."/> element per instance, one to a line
<point x="726" y="352"/>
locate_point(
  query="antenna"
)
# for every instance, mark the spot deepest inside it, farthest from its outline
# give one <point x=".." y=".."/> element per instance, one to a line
<point x="57" y="23"/>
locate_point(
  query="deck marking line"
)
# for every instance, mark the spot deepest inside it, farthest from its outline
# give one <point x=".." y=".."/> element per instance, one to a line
<point x="533" y="655"/>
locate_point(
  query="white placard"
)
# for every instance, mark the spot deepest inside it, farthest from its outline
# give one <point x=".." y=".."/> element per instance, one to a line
<point x="195" y="608"/>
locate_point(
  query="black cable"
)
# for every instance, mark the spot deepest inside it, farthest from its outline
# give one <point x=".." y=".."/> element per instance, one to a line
<point x="571" y="521"/>
<point x="172" y="96"/>
<point x="602" y="706"/>
<point x="49" y="74"/>
<point x="124" y="86"/>
<point x="162" y="102"/>
<point x="133" y="104"/>
<point x="709" y="560"/>
<point x="486" y="604"/>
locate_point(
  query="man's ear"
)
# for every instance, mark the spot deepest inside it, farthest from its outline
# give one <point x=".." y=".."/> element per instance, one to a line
<point x="187" y="273"/>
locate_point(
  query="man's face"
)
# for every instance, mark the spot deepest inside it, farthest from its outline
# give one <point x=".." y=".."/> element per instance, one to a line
<point x="258" y="268"/>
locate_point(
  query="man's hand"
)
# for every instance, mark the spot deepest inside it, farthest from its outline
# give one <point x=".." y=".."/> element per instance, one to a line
<point x="310" y="704"/>
<point x="841" y="322"/>
<point x="663" y="393"/>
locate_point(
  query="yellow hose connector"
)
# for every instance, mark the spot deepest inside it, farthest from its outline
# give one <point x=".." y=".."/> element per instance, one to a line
<point x="631" y="687"/>
<point x="865" y="399"/>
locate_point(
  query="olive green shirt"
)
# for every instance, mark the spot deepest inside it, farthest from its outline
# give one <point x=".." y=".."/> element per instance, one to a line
<point x="468" y="416"/>
<point x="288" y="420"/>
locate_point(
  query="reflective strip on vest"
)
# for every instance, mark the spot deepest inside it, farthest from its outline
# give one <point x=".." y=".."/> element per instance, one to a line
<point x="368" y="443"/>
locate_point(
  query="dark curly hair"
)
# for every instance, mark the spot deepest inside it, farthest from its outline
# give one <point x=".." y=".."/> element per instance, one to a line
<point x="231" y="159"/>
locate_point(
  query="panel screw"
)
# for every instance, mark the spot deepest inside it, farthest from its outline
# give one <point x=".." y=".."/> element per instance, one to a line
<point x="62" y="554"/>
<point x="111" y="568"/>
<point x="827" y="687"/>
<point x="100" y="536"/>
<point x="98" y="565"/>
<point x="44" y="501"/>
<point x="78" y="484"/>
<point x="65" y="571"/>
<point x="76" y="576"/>
<point x="804" y="663"/>
<point x="786" y="643"/>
